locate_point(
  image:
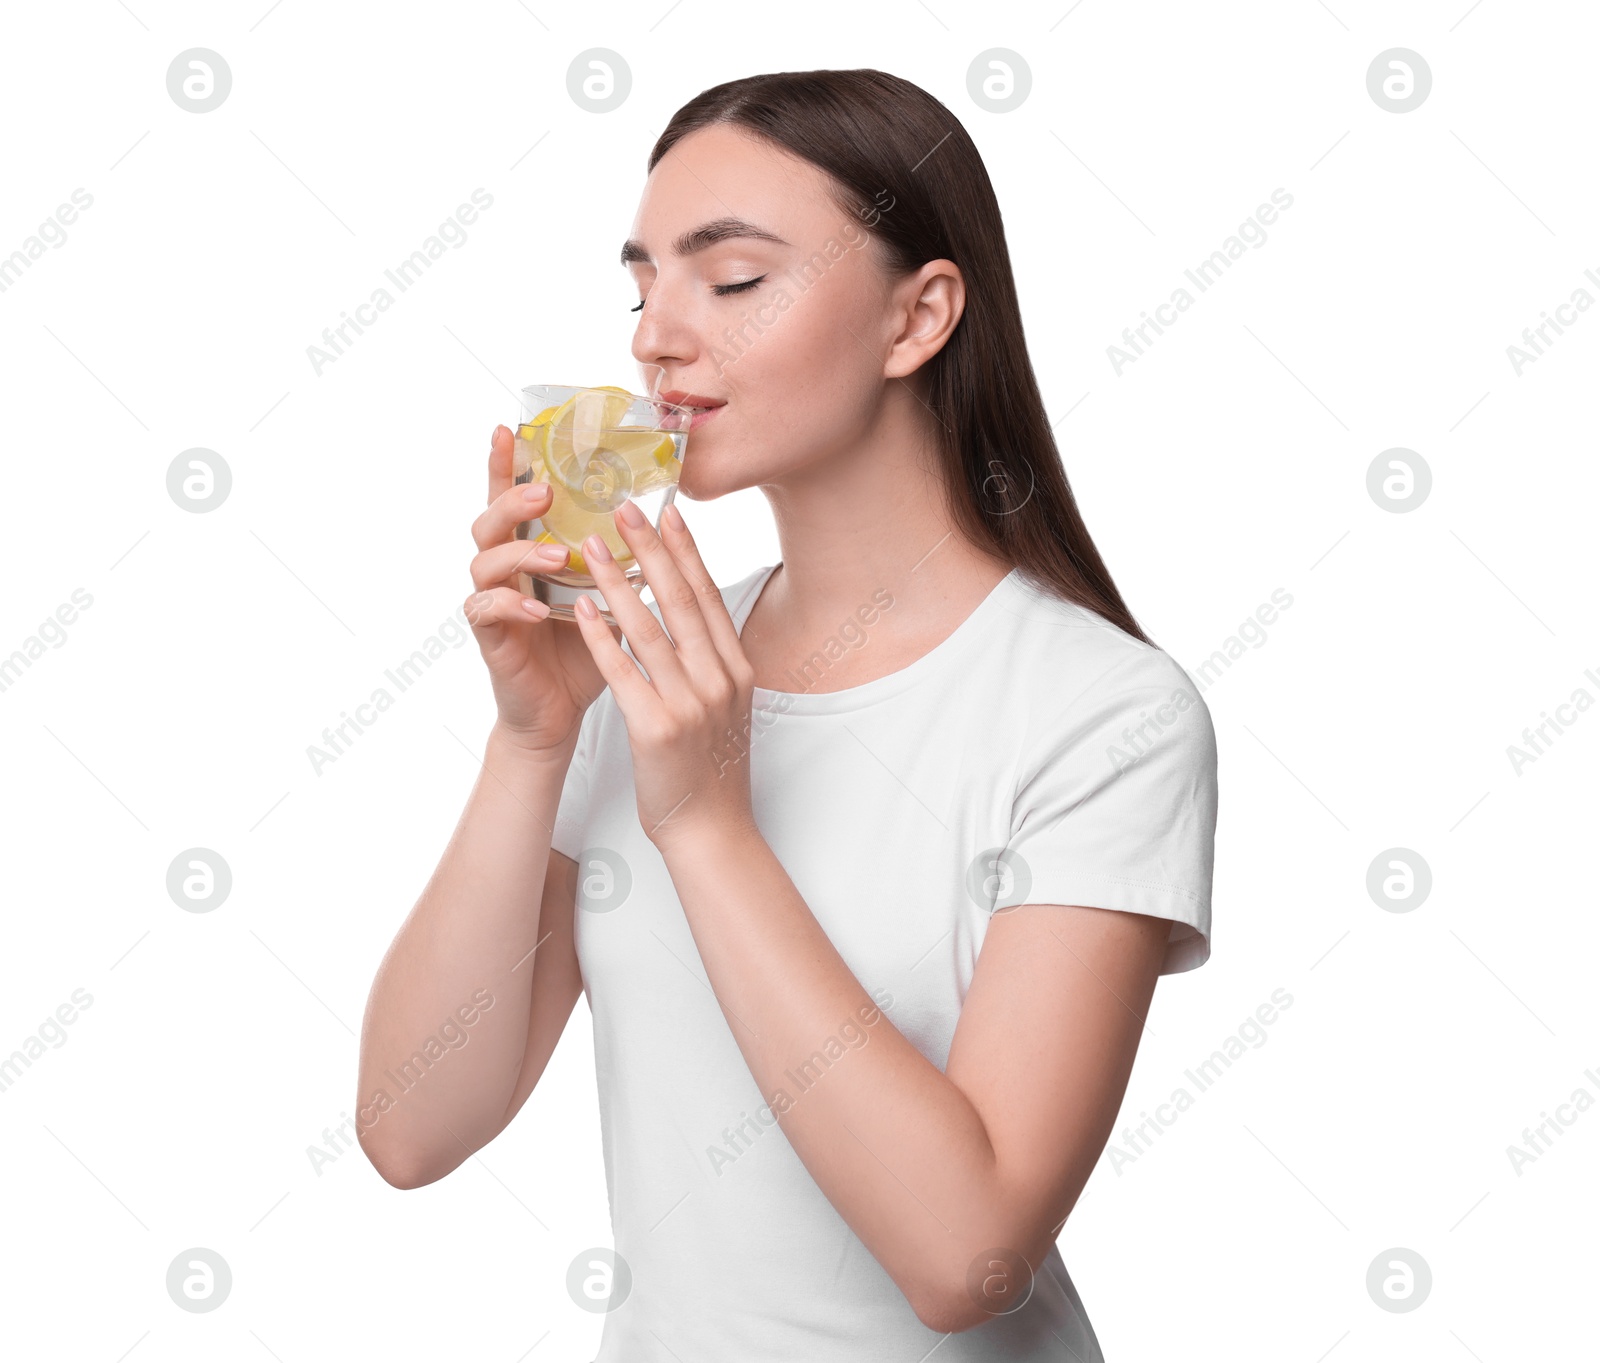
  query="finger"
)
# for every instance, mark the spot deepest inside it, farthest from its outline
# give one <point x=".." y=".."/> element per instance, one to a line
<point x="502" y="606"/>
<point x="636" y="696"/>
<point x="649" y="641"/>
<point x="501" y="445"/>
<point x="519" y="503"/>
<point x="678" y="599"/>
<point x="500" y="563"/>
<point x="713" y="609"/>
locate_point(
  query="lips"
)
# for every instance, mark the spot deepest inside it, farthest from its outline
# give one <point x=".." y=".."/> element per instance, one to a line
<point x="698" y="401"/>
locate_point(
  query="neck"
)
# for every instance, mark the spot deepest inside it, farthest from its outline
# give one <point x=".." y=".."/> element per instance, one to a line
<point x="872" y="520"/>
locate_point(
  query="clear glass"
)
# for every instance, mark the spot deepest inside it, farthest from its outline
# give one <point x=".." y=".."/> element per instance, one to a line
<point x="597" y="448"/>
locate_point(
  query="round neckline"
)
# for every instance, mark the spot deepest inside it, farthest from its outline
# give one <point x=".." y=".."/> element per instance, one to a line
<point x="879" y="688"/>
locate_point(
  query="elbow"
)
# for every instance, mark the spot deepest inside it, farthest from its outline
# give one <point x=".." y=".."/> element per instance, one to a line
<point x="402" y="1178"/>
<point x="398" y="1172"/>
<point x="951" y="1311"/>
<point x="948" y="1314"/>
<point x="948" y="1308"/>
<point x="993" y="1282"/>
<point x="398" y="1175"/>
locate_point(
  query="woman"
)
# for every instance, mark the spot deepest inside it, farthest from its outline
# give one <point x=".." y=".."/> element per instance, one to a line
<point x="833" y="1130"/>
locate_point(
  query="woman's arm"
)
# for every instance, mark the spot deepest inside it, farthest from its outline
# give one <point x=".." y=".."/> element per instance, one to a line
<point x="463" y="1007"/>
<point x="932" y="1170"/>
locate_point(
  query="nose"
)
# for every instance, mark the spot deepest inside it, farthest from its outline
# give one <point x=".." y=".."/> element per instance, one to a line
<point x="663" y="336"/>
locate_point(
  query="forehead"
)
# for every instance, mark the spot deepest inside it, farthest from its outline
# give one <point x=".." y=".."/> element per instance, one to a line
<point x="723" y="172"/>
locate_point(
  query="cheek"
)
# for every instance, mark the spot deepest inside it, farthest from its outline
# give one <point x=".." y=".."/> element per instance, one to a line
<point x="799" y="383"/>
<point x="809" y="358"/>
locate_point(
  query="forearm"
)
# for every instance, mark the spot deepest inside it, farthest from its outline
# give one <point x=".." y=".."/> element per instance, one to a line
<point x="899" y="1150"/>
<point x="467" y="938"/>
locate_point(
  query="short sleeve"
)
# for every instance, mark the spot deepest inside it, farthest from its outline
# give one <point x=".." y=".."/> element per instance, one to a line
<point x="1116" y="805"/>
<point x="568" y="833"/>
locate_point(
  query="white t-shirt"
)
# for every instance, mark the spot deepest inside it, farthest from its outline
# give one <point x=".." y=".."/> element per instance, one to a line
<point x="1038" y="754"/>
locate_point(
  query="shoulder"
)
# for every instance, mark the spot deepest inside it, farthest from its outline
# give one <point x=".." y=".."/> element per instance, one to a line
<point x="1080" y="676"/>
<point x="1061" y="642"/>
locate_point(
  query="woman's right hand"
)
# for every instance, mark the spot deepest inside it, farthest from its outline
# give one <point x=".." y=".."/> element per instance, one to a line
<point x="544" y="676"/>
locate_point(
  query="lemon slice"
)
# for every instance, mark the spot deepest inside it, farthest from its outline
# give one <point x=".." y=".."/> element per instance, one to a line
<point x="595" y="466"/>
<point x="575" y="513"/>
<point x="577" y="431"/>
<point x="571" y="523"/>
<point x="530" y="443"/>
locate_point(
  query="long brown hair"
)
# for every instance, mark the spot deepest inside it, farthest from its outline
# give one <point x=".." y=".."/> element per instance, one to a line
<point x="903" y="165"/>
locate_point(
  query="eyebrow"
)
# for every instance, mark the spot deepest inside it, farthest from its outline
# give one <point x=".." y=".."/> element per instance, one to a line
<point x="699" y="238"/>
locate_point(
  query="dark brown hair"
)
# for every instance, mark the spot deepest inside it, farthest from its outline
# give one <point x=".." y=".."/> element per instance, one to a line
<point x="905" y="168"/>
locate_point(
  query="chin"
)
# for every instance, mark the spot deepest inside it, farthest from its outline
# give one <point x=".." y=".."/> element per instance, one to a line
<point x="704" y="482"/>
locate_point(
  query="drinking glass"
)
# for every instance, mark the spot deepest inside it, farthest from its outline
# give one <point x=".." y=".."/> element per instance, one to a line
<point x="597" y="448"/>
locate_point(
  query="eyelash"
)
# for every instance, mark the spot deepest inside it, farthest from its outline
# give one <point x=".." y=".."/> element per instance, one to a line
<point x="721" y="290"/>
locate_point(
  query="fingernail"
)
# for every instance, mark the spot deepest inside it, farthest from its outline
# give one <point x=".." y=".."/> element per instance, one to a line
<point x="556" y="553"/>
<point x="672" y="517"/>
<point x="533" y="491"/>
<point x="631" y="514"/>
<point x="596" y="548"/>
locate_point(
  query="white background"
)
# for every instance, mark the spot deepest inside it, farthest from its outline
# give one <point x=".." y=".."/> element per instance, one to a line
<point x="1228" y="461"/>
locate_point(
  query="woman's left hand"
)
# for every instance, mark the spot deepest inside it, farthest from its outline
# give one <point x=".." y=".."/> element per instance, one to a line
<point x="689" y="720"/>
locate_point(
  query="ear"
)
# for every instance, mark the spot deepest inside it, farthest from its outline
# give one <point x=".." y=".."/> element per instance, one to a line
<point x="930" y="302"/>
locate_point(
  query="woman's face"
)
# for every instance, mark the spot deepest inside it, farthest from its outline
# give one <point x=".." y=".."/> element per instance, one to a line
<point x="788" y="329"/>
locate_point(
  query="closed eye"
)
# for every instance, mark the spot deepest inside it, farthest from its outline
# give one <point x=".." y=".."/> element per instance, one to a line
<point x="721" y="290"/>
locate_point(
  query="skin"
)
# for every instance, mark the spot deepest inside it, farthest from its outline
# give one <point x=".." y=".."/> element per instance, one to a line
<point x="823" y="411"/>
<point x="933" y="1170"/>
